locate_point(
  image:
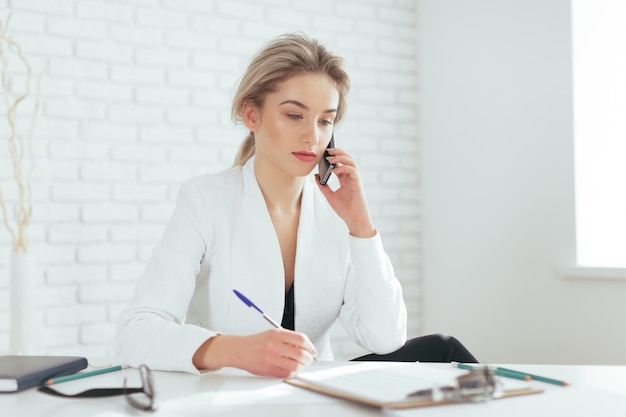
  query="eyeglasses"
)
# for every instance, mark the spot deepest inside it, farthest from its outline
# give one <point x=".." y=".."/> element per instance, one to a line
<point x="479" y="384"/>
<point x="142" y="398"/>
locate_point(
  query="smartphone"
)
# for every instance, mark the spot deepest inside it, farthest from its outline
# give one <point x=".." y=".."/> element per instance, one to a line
<point x="326" y="168"/>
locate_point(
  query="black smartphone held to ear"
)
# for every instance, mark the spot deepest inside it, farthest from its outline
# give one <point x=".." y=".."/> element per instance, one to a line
<point x="326" y="168"/>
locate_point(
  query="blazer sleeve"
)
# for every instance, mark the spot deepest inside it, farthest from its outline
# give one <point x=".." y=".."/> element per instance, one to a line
<point x="151" y="330"/>
<point x="374" y="313"/>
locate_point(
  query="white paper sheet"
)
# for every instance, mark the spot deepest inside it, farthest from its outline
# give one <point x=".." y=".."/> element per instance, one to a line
<point x="381" y="381"/>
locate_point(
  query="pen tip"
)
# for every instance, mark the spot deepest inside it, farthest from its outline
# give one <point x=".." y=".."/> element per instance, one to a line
<point x="247" y="302"/>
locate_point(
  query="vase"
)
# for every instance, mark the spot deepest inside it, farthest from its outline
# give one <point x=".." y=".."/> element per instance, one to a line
<point x="24" y="302"/>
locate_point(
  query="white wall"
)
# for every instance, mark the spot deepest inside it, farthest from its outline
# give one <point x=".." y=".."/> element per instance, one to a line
<point x="498" y="193"/>
<point x="137" y="99"/>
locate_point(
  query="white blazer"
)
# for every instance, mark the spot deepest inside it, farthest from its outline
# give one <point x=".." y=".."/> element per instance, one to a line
<point x="220" y="238"/>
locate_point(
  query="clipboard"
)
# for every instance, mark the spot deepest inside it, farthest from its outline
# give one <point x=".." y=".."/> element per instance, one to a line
<point x="401" y="385"/>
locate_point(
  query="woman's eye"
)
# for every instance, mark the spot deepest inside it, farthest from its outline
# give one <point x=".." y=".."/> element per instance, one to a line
<point x="294" y="116"/>
<point x="326" y="122"/>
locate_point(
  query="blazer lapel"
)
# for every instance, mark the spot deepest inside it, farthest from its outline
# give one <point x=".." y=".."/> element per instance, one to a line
<point x="319" y="280"/>
<point x="256" y="259"/>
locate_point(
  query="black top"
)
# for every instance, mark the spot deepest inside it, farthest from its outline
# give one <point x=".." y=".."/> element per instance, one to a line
<point x="289" y="312"/>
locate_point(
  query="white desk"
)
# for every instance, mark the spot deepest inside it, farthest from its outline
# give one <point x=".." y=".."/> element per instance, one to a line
<point x="595" y="391"/>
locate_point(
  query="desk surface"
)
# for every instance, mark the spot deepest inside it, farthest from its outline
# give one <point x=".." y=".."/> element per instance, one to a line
<point x="595" y="390"/>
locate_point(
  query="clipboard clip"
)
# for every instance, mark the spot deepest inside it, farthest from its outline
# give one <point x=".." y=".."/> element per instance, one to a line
<point x="477" y="385"/>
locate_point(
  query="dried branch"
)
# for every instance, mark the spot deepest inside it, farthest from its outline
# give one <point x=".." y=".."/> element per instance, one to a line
<point x="19" y="148"/>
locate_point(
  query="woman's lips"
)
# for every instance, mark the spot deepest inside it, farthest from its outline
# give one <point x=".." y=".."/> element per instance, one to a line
<point x="305" y="156"/>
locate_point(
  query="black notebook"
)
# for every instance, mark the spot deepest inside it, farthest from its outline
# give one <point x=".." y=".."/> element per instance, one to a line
<point x="19" y="372"/>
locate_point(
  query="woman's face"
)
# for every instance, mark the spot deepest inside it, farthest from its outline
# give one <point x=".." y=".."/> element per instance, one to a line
<point x="295" y="124"/>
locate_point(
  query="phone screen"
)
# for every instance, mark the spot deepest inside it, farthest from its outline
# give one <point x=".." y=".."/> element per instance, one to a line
<point x="326" y="168"/>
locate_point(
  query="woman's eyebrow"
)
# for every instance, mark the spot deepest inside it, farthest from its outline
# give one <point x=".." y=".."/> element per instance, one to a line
<point x="304" y="106"/>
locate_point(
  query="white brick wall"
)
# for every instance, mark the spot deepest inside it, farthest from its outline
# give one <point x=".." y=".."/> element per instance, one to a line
<point x="137" y="99"/>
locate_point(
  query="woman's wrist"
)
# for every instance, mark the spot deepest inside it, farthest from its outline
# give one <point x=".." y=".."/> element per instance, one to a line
<point x="363" y="232"/>
<point x="214" y="353"/>
<point x="360" y="225"/>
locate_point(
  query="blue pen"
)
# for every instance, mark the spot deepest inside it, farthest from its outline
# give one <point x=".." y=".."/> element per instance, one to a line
<point x="249" y="303"/>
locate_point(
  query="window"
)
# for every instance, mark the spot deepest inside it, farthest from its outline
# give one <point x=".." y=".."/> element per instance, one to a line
<point x="599" y="75"/>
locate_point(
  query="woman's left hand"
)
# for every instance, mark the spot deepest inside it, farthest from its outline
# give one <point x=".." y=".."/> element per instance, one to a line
<point x="348" y="200"/>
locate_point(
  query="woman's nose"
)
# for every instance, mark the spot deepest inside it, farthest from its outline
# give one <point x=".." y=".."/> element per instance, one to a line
<point x="311" y="134"/>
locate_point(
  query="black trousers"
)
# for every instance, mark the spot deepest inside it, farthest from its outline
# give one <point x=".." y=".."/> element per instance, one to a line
<point x="431" y="348"/>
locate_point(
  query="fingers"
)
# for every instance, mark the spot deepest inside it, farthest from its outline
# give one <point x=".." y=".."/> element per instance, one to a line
<point x="348" y="200"/>
<point x="345" y="166"/>
<point x="278" y="353"/>
<point x="297" y="347"/>
<point x="340" y="157"/>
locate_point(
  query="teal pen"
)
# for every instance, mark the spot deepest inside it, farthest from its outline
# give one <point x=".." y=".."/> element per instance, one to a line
<point x="511" y="373"/>
<point x="541" y="378"/>
<point x="507" y="373"/>
<point x="85" y="374"/>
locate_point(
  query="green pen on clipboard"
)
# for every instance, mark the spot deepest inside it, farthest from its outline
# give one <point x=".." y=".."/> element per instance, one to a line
<point x="511" y="373"/>
<point x="496" y="371"/>
<point x="539" y="378"/>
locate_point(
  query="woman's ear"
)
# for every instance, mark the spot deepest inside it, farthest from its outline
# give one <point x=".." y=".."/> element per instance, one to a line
<point x="250" y="114"/>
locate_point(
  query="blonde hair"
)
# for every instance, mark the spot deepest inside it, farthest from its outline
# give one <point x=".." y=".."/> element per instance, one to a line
<point x="279" y="60"/>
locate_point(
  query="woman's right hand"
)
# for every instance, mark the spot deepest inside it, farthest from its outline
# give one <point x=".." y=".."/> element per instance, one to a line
<point x="276" y="353"/>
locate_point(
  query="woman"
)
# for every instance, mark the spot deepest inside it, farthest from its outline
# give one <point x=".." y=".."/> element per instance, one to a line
<point x="297" y="248"/>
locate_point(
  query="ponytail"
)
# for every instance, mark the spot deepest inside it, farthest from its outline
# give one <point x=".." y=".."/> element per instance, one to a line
<point x="246" y="150"/>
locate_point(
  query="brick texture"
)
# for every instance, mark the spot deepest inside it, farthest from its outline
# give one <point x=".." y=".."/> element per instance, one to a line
<point x="136" y="99"/>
